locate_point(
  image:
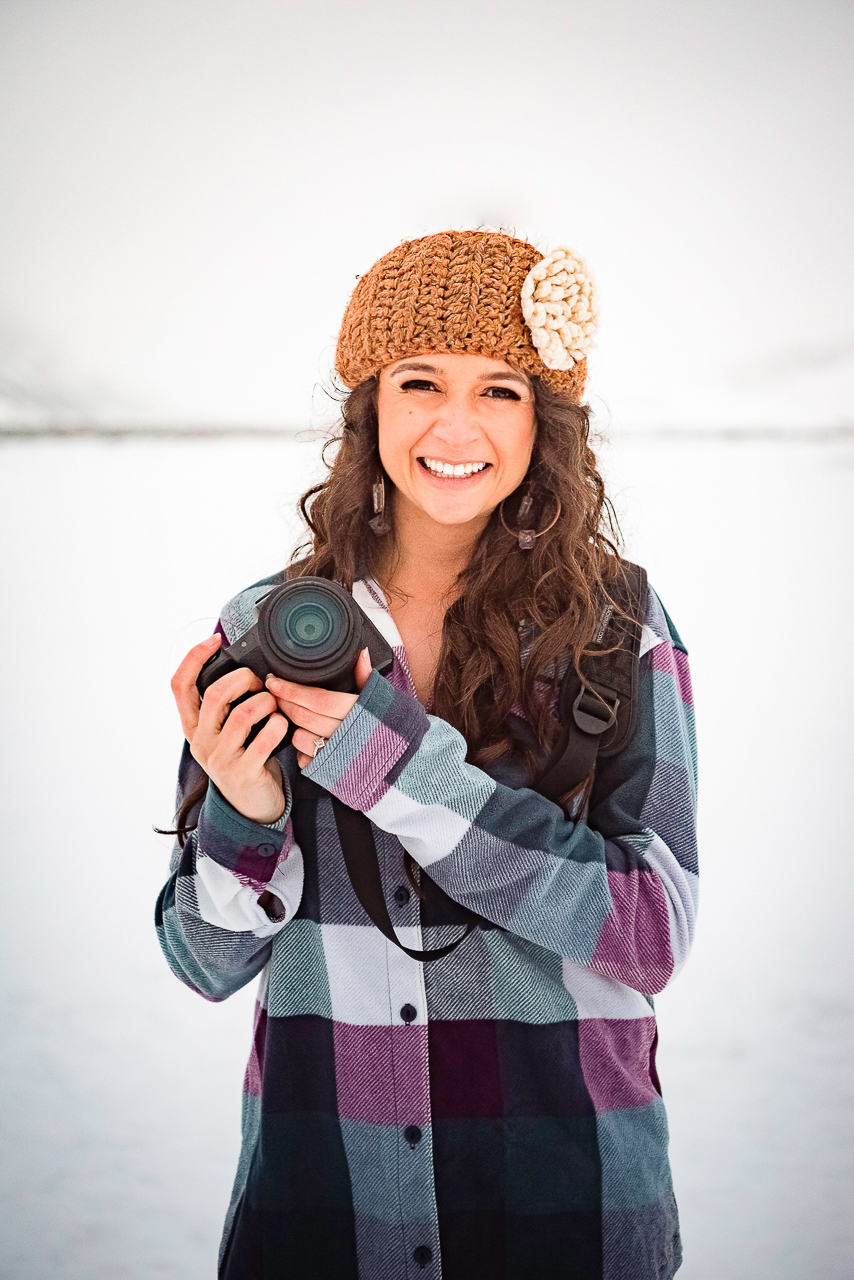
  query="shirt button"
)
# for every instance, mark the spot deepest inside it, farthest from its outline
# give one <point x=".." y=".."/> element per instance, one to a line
<point x="267" y="850"/>
<point x="402" y="895"/>
<point x="409" y="1013"/>
<point x="422" y="1255"/>
<point x="413" y="1135"/>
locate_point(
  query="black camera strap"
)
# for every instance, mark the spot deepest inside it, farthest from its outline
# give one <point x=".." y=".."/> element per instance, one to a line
<point x="598" y="717"/>
<point x="360" y="859"/>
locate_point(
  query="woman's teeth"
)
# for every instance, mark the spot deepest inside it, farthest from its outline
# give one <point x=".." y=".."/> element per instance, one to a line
<point x="453" y="469"/>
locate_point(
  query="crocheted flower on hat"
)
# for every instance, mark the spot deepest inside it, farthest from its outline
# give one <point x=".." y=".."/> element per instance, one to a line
<point x="559" y="307"/>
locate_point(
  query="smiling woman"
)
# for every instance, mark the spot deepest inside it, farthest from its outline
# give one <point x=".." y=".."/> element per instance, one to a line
<point x="456" y="439"/>
<point x="458" y="609"/>
<point x="495" y="1112"/>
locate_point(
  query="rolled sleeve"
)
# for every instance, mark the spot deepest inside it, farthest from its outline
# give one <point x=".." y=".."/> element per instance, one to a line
<point x="250" y="850"/>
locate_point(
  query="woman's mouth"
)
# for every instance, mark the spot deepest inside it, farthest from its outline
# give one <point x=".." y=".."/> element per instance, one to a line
<point x="453" y="471"/>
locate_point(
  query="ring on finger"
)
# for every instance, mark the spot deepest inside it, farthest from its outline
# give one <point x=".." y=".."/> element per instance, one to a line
<point x="319" y="742"/>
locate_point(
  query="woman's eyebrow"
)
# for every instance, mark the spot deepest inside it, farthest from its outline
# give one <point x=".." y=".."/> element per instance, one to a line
<point x="415" y="367"/>
<point x="504" y="377"/>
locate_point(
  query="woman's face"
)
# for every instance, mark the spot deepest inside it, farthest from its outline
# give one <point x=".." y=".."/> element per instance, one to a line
<point x="455" y="433"/>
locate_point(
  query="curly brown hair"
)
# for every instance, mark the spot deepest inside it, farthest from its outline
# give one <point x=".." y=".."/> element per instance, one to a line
<point x="553" y="594"/>
<point x="520" y="616"/>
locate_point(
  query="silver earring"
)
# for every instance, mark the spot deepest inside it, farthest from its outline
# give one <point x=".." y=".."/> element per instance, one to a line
<point x="379" y="525"/>
<point x="527" y="537"/>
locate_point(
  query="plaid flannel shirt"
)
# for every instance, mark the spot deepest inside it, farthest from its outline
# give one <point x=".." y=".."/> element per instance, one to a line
<point x="496" y="1113"/>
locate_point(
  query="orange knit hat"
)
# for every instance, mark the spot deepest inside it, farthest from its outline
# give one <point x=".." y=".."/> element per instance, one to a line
<point x="472" y="291"/>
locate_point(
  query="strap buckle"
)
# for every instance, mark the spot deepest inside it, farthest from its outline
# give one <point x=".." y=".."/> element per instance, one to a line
<point x="595" y="710"/>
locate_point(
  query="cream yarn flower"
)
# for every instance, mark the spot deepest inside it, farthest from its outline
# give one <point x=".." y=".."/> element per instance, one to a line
<point x="560" y="309"/>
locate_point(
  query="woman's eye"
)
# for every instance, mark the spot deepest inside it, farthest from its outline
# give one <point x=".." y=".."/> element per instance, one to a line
<point x="502" y="393"/>
<point x="418" y="384"/>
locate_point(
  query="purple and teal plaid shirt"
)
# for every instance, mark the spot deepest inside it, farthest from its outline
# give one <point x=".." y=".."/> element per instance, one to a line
<point x="494" y="1114"/>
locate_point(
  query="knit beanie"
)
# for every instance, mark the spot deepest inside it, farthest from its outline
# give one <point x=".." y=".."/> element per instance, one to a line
<point x="481" y="292"/>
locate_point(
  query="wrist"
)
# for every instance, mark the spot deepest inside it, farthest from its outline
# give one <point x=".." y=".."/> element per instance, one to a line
<point x="261" y="800"/>
<point x="266" y="815"/>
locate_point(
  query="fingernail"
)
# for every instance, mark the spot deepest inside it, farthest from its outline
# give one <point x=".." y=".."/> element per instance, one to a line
<point x="272" y="682"/>
<point x="214" y="639"/>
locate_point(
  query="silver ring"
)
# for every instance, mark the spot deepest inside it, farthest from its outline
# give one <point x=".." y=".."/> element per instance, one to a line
<point x="318" y="743"/>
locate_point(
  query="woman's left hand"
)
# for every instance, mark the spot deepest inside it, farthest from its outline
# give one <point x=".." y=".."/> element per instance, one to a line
<point x="316" y="713"/>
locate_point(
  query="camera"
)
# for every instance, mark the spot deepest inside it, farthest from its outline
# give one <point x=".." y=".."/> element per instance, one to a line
<point x="310" y="631"/>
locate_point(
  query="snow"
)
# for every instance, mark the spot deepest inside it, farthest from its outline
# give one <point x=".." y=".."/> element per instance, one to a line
<point x="122" y="1088"/>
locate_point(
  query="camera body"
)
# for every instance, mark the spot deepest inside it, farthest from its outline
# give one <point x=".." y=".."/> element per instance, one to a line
<point x="310" y="631"/>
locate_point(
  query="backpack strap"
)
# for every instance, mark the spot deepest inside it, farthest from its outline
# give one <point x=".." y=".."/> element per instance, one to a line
<point x="599" y="712"/>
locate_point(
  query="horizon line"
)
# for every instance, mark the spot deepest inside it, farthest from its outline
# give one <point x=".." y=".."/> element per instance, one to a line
<point x="203" y="432"/>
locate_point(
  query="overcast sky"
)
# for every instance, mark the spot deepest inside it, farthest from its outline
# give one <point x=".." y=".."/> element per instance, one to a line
<point x="188" y="189"/>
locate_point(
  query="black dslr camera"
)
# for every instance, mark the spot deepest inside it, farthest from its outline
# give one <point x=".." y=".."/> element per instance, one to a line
<point x="310" y="631"/>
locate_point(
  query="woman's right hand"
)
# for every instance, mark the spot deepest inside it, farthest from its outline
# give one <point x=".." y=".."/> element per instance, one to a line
<point x="246" y="776"/>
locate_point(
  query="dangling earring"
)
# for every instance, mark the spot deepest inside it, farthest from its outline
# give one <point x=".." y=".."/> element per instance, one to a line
<point x="379" y="525"/>
<point x="526" y="537"/>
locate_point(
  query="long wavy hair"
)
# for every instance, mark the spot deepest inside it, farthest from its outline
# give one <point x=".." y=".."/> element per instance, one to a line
<point x="550" y="598"/>
<point x="519" y="616"/>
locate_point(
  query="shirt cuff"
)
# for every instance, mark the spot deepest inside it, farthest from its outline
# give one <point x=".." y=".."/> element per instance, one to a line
<point x="372" y="745"/>
<point x="250" y="850"/>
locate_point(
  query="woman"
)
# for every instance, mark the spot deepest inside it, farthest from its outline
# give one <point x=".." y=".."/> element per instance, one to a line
<point x="495" y="1113"/>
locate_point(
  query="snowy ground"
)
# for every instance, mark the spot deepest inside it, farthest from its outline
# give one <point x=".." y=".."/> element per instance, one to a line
<point x="121" y="1088"/>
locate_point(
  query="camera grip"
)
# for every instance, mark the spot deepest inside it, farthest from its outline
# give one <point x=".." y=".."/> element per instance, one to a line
<point x="222" y="664"/>
<point x="219" y="664"/>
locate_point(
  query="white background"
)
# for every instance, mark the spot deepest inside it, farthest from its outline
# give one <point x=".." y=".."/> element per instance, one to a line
<point x="187" y="193"/>
<point x="188" y="189"/>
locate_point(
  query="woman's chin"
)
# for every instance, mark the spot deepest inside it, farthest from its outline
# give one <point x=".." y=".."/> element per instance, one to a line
<point x="447" y="506"/>
<point x="454" y="511"/>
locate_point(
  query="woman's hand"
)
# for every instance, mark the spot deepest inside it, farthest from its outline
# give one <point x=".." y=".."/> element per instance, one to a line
<point x="248" y="779"/>
<point x="317" y="713"/>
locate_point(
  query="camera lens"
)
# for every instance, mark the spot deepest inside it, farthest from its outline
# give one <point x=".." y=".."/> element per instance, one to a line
<point x="307" y="625"/>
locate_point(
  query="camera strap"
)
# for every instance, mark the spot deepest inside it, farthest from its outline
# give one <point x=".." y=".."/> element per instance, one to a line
<point x="598" y="716"/>
<point x="363" y="868"/>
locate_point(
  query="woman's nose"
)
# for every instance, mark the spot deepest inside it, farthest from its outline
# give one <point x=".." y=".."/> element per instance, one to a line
<point x="457" y="428"/>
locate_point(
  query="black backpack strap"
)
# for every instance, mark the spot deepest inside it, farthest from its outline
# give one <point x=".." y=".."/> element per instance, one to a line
<point x="360" y="859"/>
<point x="587" y="715"/>
<point x="598" y="713"/>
